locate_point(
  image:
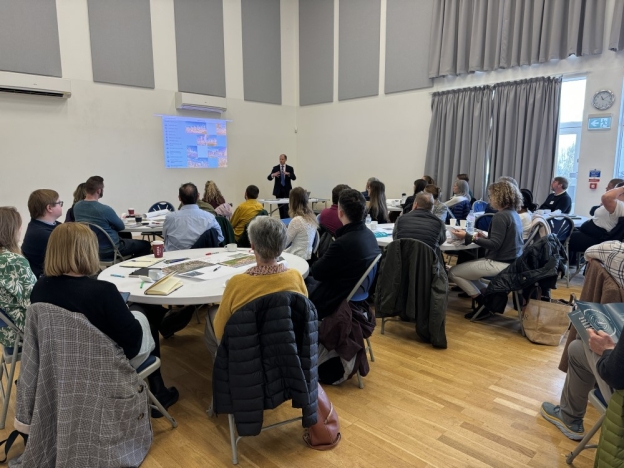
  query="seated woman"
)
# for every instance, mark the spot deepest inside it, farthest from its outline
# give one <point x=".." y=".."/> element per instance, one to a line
<point x="16" y="277"/>
<point x="303" y="224"/>
<point x="419" y="186"/>
<point x="503" y="242"/>
<point x="461" y="193"/>
<point x="268" y="239"/>
<point x="79" y="194"/>
<point x="526" y="212"/>
<point x="71" y="258"/>
<point x="213" y="196"/>
<point x="606" y="217"/>
<point x="378" y="207"/>
<point x="428" y="179"/>
<point x="439" y="208"/>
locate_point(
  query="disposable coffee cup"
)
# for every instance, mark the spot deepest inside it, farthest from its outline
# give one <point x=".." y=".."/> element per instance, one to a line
<point x="130" y="211"/>
<point x="462" y="223"/>
<point x="231" y="247"/>
<point x="158" y="247"/>
<point x="374" y="225"/>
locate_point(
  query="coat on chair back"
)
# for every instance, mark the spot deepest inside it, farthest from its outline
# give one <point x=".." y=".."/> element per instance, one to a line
<point x="268" y="355"/>
<point x="413" y="284"/>
<point x="79" y="398"/>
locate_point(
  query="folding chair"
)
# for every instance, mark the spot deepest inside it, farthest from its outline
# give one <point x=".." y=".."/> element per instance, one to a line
<point x="158" y="206"/>
<point x="360" y="293"/>
<point x="562" y="226"/>
<point x="117" y="257"/>
<point x="482" y="222"/>
<point x="151" y="364"/>
<point x="10" y="356"/>
<point x="479" y="205"/>
<point x="598" y="402"/>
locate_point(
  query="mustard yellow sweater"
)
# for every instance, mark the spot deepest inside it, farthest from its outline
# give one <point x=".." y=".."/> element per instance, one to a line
<point x="242" y="289"/>
<point x="245" y="212"/>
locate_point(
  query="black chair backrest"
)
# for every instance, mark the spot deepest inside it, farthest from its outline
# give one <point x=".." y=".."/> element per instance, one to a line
<point x="483" y="222"/>
<point x="243" y="240"/>
<point x="208" y="239"/>
<point x="226" y="230"/>
<point x="161" y="205"/>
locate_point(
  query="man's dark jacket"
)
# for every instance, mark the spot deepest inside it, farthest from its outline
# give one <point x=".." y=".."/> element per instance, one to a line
<point x="540" y="262"/>
<point x="342" y="265"/>
<point x="421" y="225"/>
<point x="413" y="285"/>
<point x="268" y="355"/>
<point x="36" y="242"/>
<point x="277" y="182"/>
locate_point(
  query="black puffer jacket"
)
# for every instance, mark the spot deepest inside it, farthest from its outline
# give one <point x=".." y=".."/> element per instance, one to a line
<point x="540" y="263"/>
<point x="268" y="355"/>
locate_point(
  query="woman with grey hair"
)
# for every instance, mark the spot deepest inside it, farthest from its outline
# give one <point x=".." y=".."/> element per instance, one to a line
<point x="461" y="192"/>
<point x="268" y="239"/>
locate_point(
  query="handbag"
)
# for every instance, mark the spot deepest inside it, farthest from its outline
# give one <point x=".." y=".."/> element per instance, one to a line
<point x="546" y="322"/>
<point x="325" y="434"/>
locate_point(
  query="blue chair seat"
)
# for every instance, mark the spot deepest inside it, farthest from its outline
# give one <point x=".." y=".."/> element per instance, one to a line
<point x="8" y="350"/>
<point x="148" y="362"/>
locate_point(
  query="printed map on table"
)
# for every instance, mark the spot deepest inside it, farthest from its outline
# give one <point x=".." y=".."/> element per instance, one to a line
<point x="188" y="266"/>
<point x="239" y="260"/>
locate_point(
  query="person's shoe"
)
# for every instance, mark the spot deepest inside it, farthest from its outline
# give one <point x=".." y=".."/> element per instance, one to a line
<point x="552" y="414"/>
<point x="485" y="314"/>
<point x="167" y="398"/>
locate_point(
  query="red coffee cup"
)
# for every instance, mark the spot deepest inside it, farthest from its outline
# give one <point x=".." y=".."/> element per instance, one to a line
<point x="158" y="247"/>
<point x="130" y="211"/>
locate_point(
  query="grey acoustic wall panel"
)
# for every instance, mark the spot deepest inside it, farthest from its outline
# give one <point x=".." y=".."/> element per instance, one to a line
<point x="358" y="48"/>
<point x="121" y="42"/>
<point x="408" y="26"/>
<point x="29" y="41"/>
<point x="316" y="51"/>
<point x="199" y="46"/>
<point x="262" y="54"/>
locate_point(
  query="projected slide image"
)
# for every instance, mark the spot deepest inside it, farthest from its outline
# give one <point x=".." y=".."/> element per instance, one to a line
<point x="194" y="143"/>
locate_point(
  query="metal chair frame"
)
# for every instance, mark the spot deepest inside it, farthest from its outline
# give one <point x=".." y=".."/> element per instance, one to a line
<point x="117" y="257"/>
<point x="583" y="444"/>
<point x="154" y="403"/>
<point x="566" y="242"/>
<point x="11" y="360"/>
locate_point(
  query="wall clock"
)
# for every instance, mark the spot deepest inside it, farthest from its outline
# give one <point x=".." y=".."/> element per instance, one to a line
<point x="603" y="99"/>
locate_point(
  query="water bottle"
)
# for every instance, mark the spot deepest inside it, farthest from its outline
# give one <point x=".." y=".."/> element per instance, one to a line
<point x="403" y="198"/>
<point x="470" y="222"/>
<point x="368" y="221"/>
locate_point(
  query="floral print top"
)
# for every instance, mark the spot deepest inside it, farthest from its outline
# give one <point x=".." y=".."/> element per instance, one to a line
<point x="16" y="283"/>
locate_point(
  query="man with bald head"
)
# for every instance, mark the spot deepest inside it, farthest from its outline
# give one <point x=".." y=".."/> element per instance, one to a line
<point x="421" y="224"/>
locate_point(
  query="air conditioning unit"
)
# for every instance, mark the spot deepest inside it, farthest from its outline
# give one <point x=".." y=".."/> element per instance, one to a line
<point x="18" y="83"/>
<point x="200" y="102"/>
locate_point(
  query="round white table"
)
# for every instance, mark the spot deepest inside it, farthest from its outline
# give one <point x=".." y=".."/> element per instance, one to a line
<point x="193" y="292"/>
<point x="388" y="228"/>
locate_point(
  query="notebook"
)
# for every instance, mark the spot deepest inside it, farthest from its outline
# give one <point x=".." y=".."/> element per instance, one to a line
<point x="141" y="262"/>
<point x="164" y="286"/>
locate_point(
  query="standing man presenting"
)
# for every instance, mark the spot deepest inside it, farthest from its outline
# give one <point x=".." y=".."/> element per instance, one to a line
<point x="282" y="174"/>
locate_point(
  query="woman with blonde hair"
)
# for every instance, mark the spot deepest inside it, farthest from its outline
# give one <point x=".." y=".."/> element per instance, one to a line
<point x="302" y="227"/>
<point x="16" y="277"/>
<point x="214" y="197"/>
<point x="378" y="207"/>
<point x="503" y="242"/>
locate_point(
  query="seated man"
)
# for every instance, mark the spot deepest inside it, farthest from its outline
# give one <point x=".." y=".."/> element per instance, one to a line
<point x="581" y="379"/>
<point x="45" y="208"/>
<point x="90" y="210"/>
<point x="268" y="239"/>
<point x="246" y="211"/>
<point x="611" y="255"/>
<point x="559" y="199"/>
<point x="421" y="224"/>
<point x="610" y="186"/>
<point x="182" y="228"/>
<point x="329" y="216"/>
<point x="335" y="274"/>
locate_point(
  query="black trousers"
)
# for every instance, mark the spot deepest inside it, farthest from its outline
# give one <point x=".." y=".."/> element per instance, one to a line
<point x="589" y="234"/>
<point x="283" y="192"/>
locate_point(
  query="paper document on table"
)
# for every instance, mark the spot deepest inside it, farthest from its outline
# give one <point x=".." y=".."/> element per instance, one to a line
<point x="156" y="214"/>
<point x="141" y="262"/>
<point x="239" y="260"/>
<point x="204" y="274"/>
<point x="184" y="267"/>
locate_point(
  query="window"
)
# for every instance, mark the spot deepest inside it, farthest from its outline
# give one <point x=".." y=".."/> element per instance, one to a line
<point x="569" y="137"/>
<point x="618" y="171"/>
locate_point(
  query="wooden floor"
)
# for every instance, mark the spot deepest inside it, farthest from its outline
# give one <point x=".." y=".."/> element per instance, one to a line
<point x="475" y="404"/>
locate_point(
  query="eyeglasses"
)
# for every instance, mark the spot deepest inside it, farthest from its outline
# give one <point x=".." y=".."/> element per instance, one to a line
<point x="57" y="203"/>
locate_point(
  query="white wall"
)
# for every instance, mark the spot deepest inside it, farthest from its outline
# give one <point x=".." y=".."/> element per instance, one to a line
<point x="113" y="131"/>
<point x="386" y="136"/>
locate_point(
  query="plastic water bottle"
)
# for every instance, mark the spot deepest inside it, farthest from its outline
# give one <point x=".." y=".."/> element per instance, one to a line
<point x="470" y="222"/>
<point x="368" y="221"/>
<point x="403" y="198"/>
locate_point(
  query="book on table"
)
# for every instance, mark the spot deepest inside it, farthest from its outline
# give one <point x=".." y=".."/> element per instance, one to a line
<point x="141" y="262"/>
<point x="164" y="286"/>
<point x="608" y="318"/>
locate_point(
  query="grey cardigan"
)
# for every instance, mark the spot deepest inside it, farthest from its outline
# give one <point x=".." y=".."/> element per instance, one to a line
<point x="504" y="242"/>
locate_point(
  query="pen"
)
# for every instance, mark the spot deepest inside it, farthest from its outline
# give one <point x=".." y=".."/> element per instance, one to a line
<point x="117" y="276"/>
<point x="142" y="283"/>
<point x="209" y="253"/>
<point x="217" y="268"/>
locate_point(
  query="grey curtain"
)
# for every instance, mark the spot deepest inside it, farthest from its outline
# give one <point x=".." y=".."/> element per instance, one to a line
<point x="458" y="137"/>
<point x="524" y="133"/>
<point x="484" y="35"/>
<point x="616" y="39"/>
